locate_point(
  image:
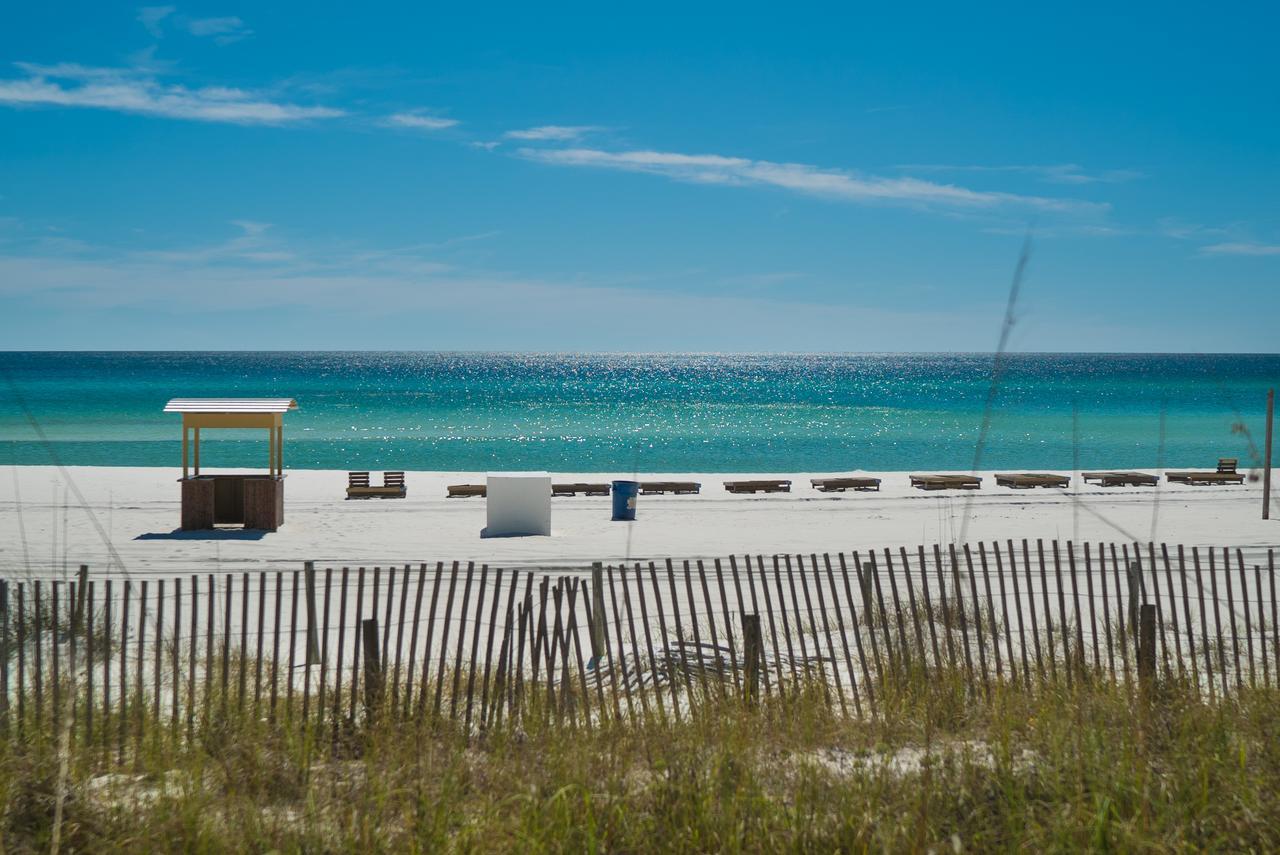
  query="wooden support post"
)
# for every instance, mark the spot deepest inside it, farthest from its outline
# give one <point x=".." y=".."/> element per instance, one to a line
<point x="1147" y="646"/>
<point x="313" y="627"/>
<point x="196" y="451"/>
<point x="752" y="646"/>
<point x="597" y="613"/>
<point x="372" y="666"/>
<point x="1266" y="454"/>
<point x="185" y="456"/>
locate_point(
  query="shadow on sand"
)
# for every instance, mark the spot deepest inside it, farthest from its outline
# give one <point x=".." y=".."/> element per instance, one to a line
<point x="206" y="534"/>
<point x="485" y="535"/>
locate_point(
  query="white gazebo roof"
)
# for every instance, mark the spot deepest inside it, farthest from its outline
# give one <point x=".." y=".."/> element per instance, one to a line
<point x="230" y="405"/>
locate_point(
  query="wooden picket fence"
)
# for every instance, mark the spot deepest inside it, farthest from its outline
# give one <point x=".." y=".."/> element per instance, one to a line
<point x="333" y="648"/>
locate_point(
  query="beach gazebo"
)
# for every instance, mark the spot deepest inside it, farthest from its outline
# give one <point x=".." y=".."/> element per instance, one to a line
<point x="255" y="501"/>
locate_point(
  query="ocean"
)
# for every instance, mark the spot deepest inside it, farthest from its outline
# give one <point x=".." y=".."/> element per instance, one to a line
<point x="648" y="413"/>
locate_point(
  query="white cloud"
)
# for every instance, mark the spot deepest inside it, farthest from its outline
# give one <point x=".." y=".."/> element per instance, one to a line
<point x="223" y="30"/>
<point x="391" y="299"/>
<point x="552" y="133"/>
<point x="800" y="178"/>
<point x="1241" y="248"/>
<point x="1056" y="173"/>
<point x="420" y="121"/>
<point x="134" y="91"/>
<point x="151" y="17"/>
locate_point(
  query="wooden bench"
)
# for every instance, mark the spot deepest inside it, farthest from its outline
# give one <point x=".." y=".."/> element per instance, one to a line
<point x="1031" y="480"/>
<point x="679" y="488"/>
<point x="839" y="485"/>
<point x="1226" y="474"/>
<point x="1120" y="479"/>
<point x="465" y="491"/>
<point x="575" y="489"/>
<point x="393" y="486"/>
<point x="769" y="486"/>
<point x="946" y="482"/>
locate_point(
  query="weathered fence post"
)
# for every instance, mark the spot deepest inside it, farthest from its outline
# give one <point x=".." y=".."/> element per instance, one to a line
<point x="313" y="644"/>
<point x="596" y="614"/>
<point x="1135" y="596"/>
<point x="372" y="666"/>
<point x="1147" y="647"/>
<point x="4" y="658"/>
<point x="752" y="647"/>
<point x="82" y="590"/>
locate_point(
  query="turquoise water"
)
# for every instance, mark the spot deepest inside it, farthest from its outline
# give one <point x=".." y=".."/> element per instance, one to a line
<point x="673" y="413"/>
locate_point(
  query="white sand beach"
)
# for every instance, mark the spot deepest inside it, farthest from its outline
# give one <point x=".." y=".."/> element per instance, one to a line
<point x="43" y="527"/>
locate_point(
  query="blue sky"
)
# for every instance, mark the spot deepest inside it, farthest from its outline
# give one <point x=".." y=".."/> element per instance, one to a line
<point x="734" y="177"/>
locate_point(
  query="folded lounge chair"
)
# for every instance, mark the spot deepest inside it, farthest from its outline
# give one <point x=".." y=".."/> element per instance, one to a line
<point x="839" y="485"/>
<point x="464" y="491"/>
<point x="1226" y="474"/>
<point x="1120" y="479"/>
<point x="575" y="489"/>
<point x="946" y="482"/>
<point x="769" y="486"/>
<point x="679" y="488"/>
<point x="393" y="486"/>
<point x="1030" y="480"/>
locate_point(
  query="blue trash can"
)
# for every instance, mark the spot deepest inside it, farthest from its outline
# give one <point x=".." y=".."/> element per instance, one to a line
<point x="624" y="500"/>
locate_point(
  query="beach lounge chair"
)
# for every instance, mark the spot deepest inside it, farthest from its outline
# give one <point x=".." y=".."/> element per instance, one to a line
<point x="764" y="486"/>
<point x="575" y="489"/>
<point x="1030" y="480"/>
<point x="679" y="488"/>
<point x="464" y="491"/>
<point x="393" y="487"/>
<point x="1226" y="474"/>
<point x="1120" y="479"/>
<point x="946" y="482"/>
<point x="839" y="485"/>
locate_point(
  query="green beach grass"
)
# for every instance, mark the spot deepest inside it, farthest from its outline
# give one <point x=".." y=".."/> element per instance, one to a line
<point x="941" y="769"/>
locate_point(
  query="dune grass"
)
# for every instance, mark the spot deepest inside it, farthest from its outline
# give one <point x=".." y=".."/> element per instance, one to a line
<point x="941" y="768"/>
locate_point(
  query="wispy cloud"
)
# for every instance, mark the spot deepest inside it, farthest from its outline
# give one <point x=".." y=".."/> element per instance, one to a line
<point x="420" y="121"/>
<point x="151" y="18"/>
<point x="136" y="91"/>
<point x="553" y="133"/>
<point x="223" y="31"/>
<point x="388" y="298"/>
<point x="253" y="245"/>
<point x="1056" y="173"/>
<point x="1241" y="248"/>
<point x="801" y="178"/>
